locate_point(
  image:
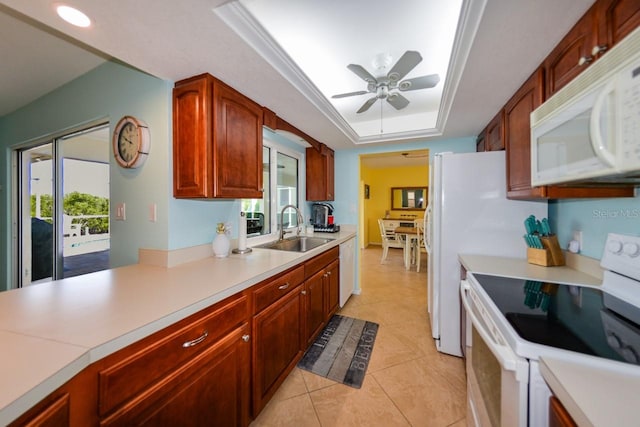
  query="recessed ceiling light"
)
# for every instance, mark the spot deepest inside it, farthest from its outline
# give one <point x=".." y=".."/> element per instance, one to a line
<point x="73" y="16"/>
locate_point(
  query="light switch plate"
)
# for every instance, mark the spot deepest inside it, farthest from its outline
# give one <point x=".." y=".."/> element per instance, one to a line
<point x="120" y="212"/>
<point x="153" y="212"/>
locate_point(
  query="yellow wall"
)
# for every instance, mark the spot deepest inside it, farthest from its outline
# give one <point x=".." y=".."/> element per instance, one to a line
<point x="380" y="182"/>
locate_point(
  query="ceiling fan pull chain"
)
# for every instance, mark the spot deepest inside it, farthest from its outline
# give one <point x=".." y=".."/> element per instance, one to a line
<point x="381" y="130"/>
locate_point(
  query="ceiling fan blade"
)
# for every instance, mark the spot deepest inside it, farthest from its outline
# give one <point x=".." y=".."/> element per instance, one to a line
<point x="344" y="95"/>
<point x="424" y="82"/>
<point x="367" y="105"/>
<point x="406" y="63"/>
<point x="362" y="73"/>
<point x="397" y="101"/>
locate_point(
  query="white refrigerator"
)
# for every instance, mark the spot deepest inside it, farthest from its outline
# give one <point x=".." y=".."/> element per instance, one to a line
<point x="468" y="213"/>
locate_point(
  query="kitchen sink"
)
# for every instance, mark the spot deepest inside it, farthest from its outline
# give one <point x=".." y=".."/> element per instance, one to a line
<point x="296" y="244"/>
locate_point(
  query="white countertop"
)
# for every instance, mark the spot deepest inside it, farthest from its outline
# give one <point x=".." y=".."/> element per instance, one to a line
<point x="520" y="268"/>
<point x="50" y="331"/>
<point x="594" y="397"/>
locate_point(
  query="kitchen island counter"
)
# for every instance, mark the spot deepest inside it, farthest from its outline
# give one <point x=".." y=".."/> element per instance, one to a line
<point x="56" y="329"/>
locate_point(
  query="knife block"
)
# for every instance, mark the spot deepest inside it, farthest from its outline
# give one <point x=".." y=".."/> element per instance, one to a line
<point x="550" y="256"/>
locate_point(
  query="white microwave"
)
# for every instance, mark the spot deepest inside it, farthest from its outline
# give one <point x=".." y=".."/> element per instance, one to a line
<point x="589" y="132"/>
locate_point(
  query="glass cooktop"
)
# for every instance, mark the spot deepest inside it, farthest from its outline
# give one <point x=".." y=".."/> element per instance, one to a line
<point x="580" y="319"/>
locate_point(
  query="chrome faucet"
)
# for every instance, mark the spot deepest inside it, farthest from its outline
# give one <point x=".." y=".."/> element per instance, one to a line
<point x="299" y="219"/>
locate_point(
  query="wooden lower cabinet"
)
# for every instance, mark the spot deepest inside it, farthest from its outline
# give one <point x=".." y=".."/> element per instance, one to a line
<point x="332" y="288"/>
<point x="314" y="288"/>
<point x="212" y="389"/>
<point x="558" y="415"/>
<point x="278" y="344"/>
<point x="73" y="404"/>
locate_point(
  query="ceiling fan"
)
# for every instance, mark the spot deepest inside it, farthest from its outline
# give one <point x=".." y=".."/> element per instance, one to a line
<point x="389" y="87"/>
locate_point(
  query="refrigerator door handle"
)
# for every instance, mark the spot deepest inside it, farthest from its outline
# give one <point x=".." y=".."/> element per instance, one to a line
<point x="427" y="229"/>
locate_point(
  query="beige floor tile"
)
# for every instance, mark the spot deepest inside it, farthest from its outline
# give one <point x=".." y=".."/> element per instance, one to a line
<point x="297" y="411"/>
<point x="292" y="386"/>
<point x="423" y="394"/>
<point x="315" y="382"/>
<point x="345" y="406"/>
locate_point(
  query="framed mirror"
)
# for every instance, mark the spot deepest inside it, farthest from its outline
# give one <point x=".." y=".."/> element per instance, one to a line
<point x="409" y="198"/>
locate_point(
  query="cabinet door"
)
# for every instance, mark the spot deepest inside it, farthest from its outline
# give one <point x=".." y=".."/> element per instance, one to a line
<point x="495" y="133"/>
<point x="518" y="138"/>
<point x="192" y="148"/>
<point x="564" y="62"/>
<point x="237" y="144"/>
<point x="616" y="19"/>
<point x="480" y="142"/>
<point x="212" y="389"/>
<point x="277" y="345"/>
<point x="53" y="414"/>
<point x="315" y="306"/>
<point x="320" y="173"/>
<point x="330" y="160"/>
<point x="332" y="289"/>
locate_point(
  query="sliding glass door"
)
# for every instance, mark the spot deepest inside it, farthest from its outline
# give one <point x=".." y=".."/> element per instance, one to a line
<point x="63" y="206"/>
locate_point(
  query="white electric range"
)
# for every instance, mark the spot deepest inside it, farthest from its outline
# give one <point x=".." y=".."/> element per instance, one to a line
<point x="514" y="322"/>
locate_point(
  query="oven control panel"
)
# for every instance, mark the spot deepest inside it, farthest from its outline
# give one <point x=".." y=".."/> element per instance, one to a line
<point x="622" y="255"/>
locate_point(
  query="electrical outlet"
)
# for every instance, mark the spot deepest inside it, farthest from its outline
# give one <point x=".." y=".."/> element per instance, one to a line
<point x="577" y="236"/>
<point x="153" y="212"/>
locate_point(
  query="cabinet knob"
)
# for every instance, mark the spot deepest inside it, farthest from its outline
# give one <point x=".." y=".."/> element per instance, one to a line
<point x="585" y="60"/>
<point x="245" y="338"/>
<point x="328" y="273"/>
<point x="598" y="49"/>
<point x="303" y="292"/>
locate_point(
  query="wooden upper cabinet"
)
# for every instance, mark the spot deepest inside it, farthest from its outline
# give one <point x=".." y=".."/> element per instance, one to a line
<point x="217" y="141"/>
<point x="573" y="54"/>
<point x="494" y="139"/>
<point x="320" y="173"/>
<point x="480" y="142"/>
<point x="603" y="26"/>
<point x="616" y="19"/>
<point x="517" y="127"/>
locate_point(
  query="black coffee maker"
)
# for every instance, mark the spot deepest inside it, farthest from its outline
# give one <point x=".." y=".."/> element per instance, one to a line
<point x="322" y="218"/>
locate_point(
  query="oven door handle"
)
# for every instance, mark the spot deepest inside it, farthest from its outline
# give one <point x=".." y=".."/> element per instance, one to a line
<point x="506" y="357"/>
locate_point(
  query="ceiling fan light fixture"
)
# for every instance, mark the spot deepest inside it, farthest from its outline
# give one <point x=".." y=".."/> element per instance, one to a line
<point x="404" y="85"/>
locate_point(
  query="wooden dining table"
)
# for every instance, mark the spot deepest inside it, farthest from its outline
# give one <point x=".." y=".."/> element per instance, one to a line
<point x="410" y="235"/>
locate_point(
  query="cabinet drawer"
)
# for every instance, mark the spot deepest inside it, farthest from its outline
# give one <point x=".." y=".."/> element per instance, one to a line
<point x="319" y="262"/>
<point x="134" y="368"/>
<point x="274" y="289"/>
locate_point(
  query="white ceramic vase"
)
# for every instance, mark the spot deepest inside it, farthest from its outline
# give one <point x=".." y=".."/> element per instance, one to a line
<point x="221" y="245"/>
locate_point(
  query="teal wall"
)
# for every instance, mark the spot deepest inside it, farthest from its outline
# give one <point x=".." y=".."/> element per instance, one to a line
<point x="595" y="218"/>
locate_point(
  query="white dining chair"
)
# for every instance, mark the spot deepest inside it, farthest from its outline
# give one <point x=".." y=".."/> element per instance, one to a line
<point x="389" y="240"/>
<point x="421" y="247"/>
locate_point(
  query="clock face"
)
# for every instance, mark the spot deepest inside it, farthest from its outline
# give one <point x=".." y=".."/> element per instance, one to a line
<point x="128" y="142"/>
<point x="131" y="142"/>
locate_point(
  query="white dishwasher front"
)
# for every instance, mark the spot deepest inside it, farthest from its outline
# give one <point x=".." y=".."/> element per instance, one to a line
<point x="347" y="269"/>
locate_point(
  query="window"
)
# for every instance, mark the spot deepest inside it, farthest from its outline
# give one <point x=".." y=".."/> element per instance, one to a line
<point x="281" y="178"/>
